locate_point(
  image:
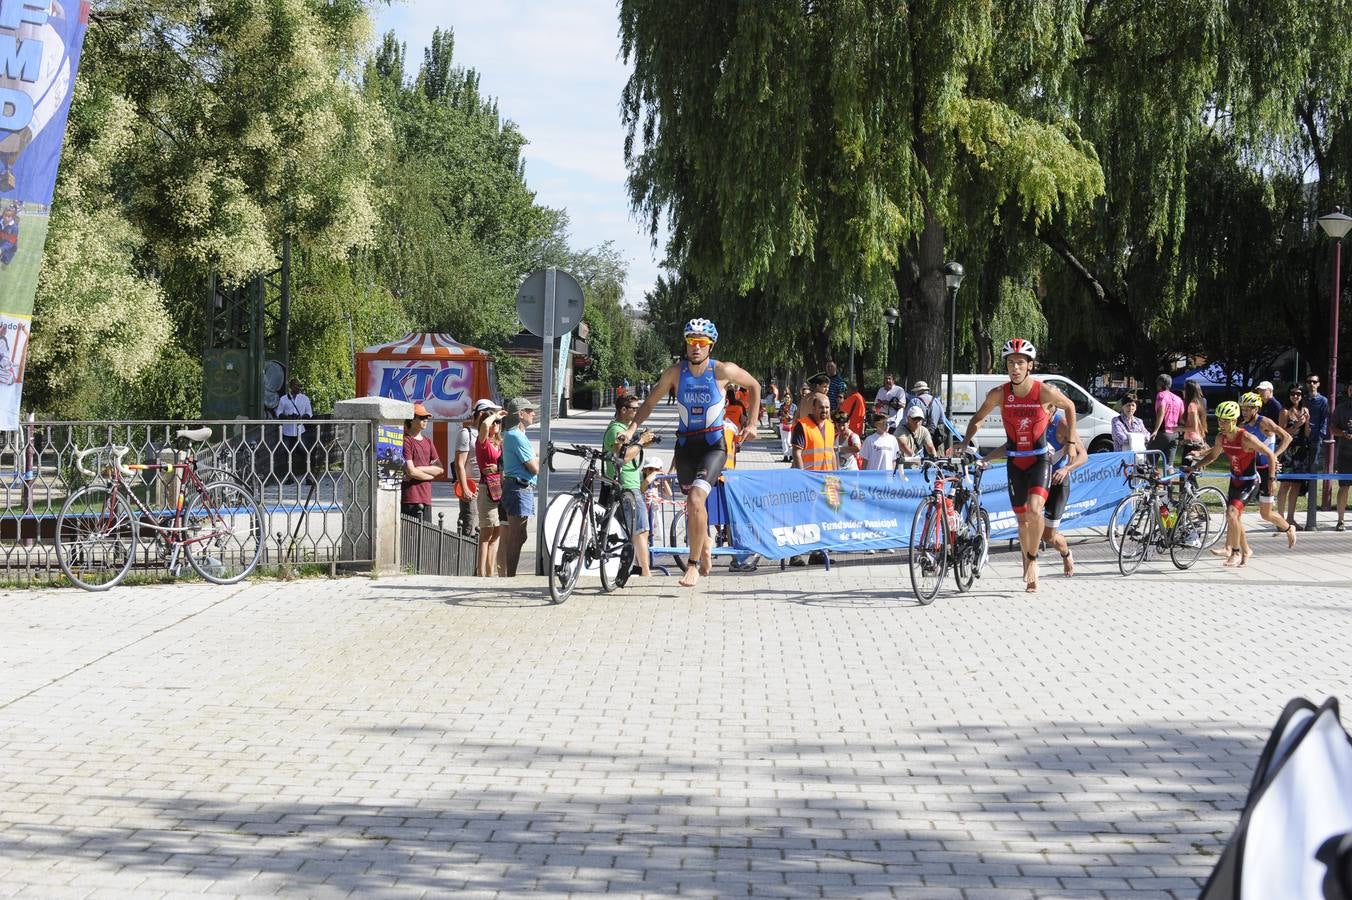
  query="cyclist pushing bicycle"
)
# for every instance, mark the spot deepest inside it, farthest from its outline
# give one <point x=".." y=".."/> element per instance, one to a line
<point x="1023" y="404"/>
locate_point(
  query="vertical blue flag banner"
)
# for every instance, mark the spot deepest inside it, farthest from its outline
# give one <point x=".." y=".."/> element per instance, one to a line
<point x="40" y="43"/>
<point x="777" y="513"/>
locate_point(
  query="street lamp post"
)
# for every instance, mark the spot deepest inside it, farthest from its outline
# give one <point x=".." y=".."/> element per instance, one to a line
<point x="854" y="313"/>
<point x="953" y="273"/>
<point x="890" y="316"/>
<point x="1335" y="225"/>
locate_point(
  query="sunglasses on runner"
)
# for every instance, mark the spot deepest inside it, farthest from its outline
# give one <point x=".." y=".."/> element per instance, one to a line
<point x="698" y="342"/>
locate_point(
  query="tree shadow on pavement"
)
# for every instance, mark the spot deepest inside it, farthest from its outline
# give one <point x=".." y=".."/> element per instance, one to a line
<point x="1061" y="808"/>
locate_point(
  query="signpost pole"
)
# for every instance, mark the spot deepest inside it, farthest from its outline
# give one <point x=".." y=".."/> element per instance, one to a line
<point x="546" y="413"/>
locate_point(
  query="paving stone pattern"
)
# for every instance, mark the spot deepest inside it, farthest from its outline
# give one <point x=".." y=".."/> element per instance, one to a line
<point x="784" y="733"/>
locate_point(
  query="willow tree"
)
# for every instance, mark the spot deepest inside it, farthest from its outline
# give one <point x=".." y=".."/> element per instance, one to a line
<point x="801" y="152"/>
<point x="1263" y="84"/>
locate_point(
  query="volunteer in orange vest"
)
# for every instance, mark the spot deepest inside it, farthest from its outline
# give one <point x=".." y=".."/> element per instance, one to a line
<point x="814" y="437"/>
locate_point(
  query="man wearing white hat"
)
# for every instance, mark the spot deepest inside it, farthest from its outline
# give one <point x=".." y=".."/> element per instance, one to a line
<point x="930" y="405"/>
<point x="1272" y="407"/>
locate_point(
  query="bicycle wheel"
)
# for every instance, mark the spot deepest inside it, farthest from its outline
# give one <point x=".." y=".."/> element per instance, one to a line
<point x="96" y="536"/>
<point x="1136" y="537"/>
<point x="971" y="550"/>
<point x="567" y="553"/>
<point x="223" y="532"/>
<point x="1188" y="536"/>
<point x="679" y="538"/>
<point x="616" y="554"/>
<point x="1213" y="498"/>
<point x="929" y="550"/>
<point x="1122" y="514"/>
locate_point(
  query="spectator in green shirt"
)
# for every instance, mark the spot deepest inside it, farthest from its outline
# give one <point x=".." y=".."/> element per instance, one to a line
<point x="617" y="440"/>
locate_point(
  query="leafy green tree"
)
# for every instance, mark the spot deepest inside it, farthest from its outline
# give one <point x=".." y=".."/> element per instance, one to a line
<point x="804" y="153"/>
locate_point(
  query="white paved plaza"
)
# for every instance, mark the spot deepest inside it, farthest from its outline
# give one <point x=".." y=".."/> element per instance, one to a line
<point x="782" y="734"/>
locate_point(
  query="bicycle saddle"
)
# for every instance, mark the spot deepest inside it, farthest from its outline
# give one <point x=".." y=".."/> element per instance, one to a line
<point x="194" y="434"/>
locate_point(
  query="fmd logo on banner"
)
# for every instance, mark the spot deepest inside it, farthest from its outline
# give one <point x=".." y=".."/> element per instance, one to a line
<point x="40" y="44"/>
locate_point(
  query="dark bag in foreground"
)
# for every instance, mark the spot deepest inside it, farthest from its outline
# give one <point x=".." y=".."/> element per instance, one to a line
<point x="1292" y="838"/>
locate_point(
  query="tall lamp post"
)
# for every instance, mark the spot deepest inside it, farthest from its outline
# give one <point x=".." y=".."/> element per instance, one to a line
<point x="953" y="273"/>
<point x="854" y="313"/>
<point x="1335" y="225"/>
<point x="891" y="317"/>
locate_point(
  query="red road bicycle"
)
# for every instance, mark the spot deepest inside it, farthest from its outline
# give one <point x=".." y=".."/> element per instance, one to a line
<point x="215" y="524"/>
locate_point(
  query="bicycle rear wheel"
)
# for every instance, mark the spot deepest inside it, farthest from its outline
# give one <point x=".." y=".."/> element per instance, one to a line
<point x="96" y="536"/>
<point x="1122" y="514"/>
<point x="567" y="552"/>
<point x="928" y="559"/>
<point x="1136" y="537"/>
<point x="1213" y="498"/>
<point x="1189" y="535"/>
<point x="224" y="532"/>
<point x="616" y="544"/>
<point x="971" y="550"/>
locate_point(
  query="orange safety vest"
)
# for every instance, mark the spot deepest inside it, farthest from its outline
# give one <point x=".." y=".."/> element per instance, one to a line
<point x="730" y="445"/>
<point x="819" y="445"/>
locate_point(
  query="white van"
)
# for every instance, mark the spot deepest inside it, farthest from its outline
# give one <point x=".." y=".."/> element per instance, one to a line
<point x="1094" y="420"/>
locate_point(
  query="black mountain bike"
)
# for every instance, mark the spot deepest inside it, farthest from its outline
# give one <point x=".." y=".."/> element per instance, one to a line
<point x="591" y="533"/>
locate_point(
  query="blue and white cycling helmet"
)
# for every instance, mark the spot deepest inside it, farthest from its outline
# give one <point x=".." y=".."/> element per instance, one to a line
<point x="701" y="328"/>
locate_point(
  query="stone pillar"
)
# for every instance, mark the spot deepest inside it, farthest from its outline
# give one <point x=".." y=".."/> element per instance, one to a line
<point x="371" y="515"/>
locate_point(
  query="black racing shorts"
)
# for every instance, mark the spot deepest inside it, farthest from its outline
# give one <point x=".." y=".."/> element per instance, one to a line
<point x="1058" y="495"/>
<point x="699" y="463"/>
<point x="1267" y="482"/>
<point x="1024" y="483"/>
<point x="1241" y="492"/>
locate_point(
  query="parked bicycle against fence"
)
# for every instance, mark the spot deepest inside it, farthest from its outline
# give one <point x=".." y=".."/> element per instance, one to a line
<point x="216" y="526"/>
<point x="950" y="528"/>
<point x="588" y="533"/>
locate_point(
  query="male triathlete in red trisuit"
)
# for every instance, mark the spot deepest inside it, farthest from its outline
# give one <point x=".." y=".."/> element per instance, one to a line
<point x="1024" y="404"/>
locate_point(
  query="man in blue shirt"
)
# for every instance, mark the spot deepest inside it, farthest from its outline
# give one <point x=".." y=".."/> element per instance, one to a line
<point x="835" y="387"/>
<point x="1318" y="405"/>
<point x="520" y="465"/>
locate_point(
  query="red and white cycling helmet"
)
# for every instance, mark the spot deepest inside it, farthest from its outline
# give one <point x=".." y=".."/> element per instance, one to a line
<point x="1019" y="347"/>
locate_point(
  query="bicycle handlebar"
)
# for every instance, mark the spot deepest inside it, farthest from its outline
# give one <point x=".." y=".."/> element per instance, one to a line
<point x="118" y="452"/>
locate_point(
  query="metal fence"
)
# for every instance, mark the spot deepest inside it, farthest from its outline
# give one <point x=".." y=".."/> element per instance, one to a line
<point x="429" y="549"/>
<point x="316" y="487"/>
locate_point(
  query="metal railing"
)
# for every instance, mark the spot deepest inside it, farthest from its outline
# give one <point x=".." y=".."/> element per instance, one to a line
<point x="317" y="488"/>
<point x="429" y="549"/>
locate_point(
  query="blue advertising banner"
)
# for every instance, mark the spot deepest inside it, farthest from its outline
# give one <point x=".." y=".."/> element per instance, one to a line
<point x="40" y="43"/>
<point x="779" y="513"/>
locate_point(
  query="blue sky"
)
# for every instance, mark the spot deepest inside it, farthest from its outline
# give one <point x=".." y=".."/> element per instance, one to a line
<point x="556" y="71"/>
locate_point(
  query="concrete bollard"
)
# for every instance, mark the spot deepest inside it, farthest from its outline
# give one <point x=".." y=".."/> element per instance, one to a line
<point x="380" y="541"/>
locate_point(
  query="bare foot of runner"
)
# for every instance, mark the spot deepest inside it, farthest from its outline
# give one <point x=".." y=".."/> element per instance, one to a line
<point x="1290" y="537"/>
<point x="1243" y="559"/>
<point x="691" y="576"/>
<point x="1217" y="551"/>
<point x="1030" y="574"/>
<point x="1067" y="564"/>
<point x="706" y="562"/>
<point x="1232" y="559"/>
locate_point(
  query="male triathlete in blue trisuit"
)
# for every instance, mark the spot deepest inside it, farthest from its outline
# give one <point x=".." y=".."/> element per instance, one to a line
<point x="701" y="385"/>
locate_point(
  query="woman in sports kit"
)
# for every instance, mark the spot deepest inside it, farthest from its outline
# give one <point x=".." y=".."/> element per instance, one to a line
<point x="1276" y="439"/>
<point x="701" y="385"/>
<point x="1024" y="403"/>
<point x="1243" y="450"/>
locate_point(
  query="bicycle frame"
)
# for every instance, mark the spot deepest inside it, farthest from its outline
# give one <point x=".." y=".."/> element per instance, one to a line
<point x="174" y="534"/>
